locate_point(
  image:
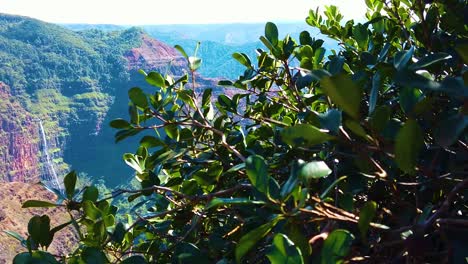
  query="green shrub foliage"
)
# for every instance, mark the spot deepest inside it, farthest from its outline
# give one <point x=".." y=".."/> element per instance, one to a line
<point x="319" y="156"/>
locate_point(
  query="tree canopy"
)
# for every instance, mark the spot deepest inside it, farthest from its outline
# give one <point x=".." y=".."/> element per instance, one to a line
<point x="321" y="156"/>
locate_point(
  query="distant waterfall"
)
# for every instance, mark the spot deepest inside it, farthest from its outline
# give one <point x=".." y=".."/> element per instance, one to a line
<point x="50" y="175"/>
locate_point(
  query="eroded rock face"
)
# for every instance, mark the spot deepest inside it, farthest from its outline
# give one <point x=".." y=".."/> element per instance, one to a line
<point x="14" y="218"/>
<point x="155" y="55"/>
<point x="19" y="145"/>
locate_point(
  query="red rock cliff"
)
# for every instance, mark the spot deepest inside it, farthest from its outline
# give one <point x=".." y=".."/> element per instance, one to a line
<point x="19" y="146"/>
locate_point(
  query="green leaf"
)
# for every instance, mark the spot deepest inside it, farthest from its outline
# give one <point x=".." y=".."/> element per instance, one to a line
<point x="138" y="97"/>
<point x="243" y="59"/>
<point x="134" y="116"/>
<point x="365" y="217"/>
<point x="91" y="211"/>
<point x="91" y="193"/>
<point x="119" y="123"/>
<point x="92" y="255"/>
<point x="182" y="51"/>
<point x="331" y="120"/>
<point x="380" y="118"/>
<point x="344" y="93"/>
<point x="336" y="246"/>
<point x="374" y="94"/>
<point x="37" y="257"/>
<point x="283" y="251"/>
<point x="155" y="79"/>
<point x="39" y="229"/>
<point x="15" y="235"/>
<point x="331" y="186"/>
<point x="449" y="130"/>
<point x="248" y="241"/>
<point x="361" y="35"/>
<point x="172" y="131"/>
<point x="313" y="170"/>
<point x="409" y="97"/>
<point x="409" y="142"/>
<point x="134" y="260"/>
<point x="271" y="33"/>
<point x="228" y="201"/>
<point x="290" y="184"/>
<point x="304" y="134"/>
<point x="429" y="60"/>
<point x="206" y="98"/>
<point x="356" y="128"/>
<point x="119" y="233"/>
<point x="70" y="182"/>
<point x="402" y="58"/>
<point x="36" y="203"/>
<point x="305" y="38"/>
<point x="257" y="171"/>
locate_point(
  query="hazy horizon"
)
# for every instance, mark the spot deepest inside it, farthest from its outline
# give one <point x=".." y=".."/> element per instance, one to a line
<point x="179" y="12"/>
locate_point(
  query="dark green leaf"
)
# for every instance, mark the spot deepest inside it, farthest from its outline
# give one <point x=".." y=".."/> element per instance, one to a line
<point x="242" y="59"/>
<point x="304" y="134"/>
<point x="70" y="182"/>
<point x="138" y="97"/>
<point x="344" y="93"/>
<point x="156" y="79"/>
<point x="402" y="58"/>
<point x="361" y="35"/>
<point x="304" y="38"/>
<point x="120" y="124"/>
<point x="37" y="257"/>
<point x="283" y="251"/>
<point x="409" y="97"/>
<point x="429" y="60"/>
<point x="409" y="142"/>
<point x="39" y="229"/>
<point x="380" y="118"/>
<point x="181" y="50"/>
<point x="92" y="255"/>
<point x="91" y="193"/>
<point x="450" y="129"/>
<point x="374" y="94"/>
<point x="257" y="171"/>
<point x="271" y="33"/>
<point x="134" y="260"/>
<point x="336" y="246"/>
<point x="206" y="98"/>
<point x="119" y="233"/>
<point x="36" y="203"/>
<point x="331" y="120"/>
<point x="365" y="217"/>
<point x="248" y="241"/>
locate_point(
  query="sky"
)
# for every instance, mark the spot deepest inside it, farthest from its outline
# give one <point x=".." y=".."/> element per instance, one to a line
<point x="146" y="12"/>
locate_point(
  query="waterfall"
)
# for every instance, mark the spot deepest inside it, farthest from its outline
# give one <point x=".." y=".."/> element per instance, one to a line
<point x="50" y="175"/>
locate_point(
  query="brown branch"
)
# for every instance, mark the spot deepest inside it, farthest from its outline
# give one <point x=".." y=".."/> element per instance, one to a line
<point x="446" y="204"/>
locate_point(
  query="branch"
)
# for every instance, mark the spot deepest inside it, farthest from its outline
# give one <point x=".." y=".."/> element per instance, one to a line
<point x="446" y="204"/>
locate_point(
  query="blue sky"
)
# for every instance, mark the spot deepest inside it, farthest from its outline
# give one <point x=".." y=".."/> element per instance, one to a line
<point x="140" y="12"/>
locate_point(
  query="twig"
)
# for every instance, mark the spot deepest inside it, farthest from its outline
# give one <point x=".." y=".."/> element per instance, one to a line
<point x="446" y="204"/>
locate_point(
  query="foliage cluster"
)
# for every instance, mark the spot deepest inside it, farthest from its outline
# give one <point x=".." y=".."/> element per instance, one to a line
<point x="359" y="156"/>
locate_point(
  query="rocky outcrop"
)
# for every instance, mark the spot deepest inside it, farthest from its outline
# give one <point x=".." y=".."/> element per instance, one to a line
<point x="155" y="55"/>
<point x="13" y="218"/>
<point x="19" y="146"/>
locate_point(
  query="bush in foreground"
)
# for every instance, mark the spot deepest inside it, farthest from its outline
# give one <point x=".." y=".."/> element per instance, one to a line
<point x="348" y="155"/>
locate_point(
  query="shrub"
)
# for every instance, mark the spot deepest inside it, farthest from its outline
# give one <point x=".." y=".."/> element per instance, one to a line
<point x="355" y="156"/>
